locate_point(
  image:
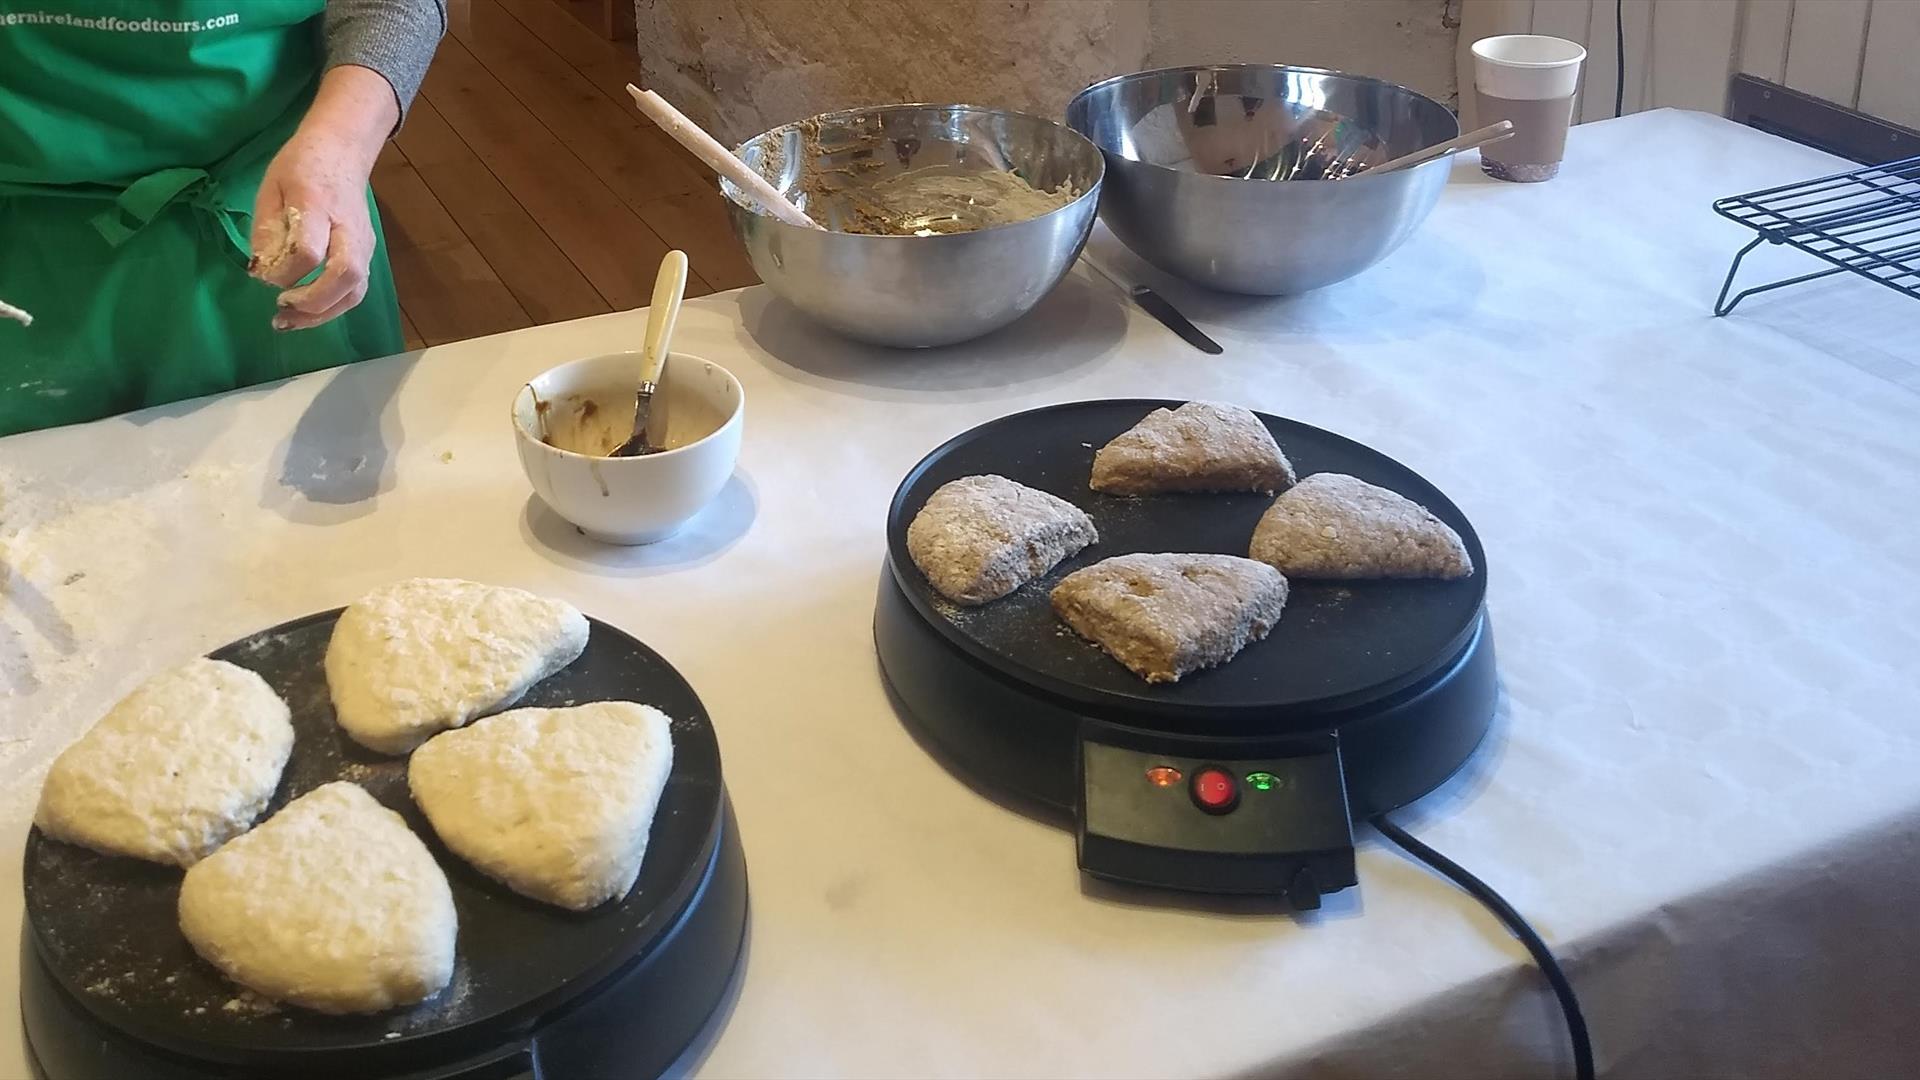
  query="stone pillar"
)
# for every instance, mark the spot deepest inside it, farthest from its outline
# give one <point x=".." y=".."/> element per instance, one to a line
<point x="739" y="67"/>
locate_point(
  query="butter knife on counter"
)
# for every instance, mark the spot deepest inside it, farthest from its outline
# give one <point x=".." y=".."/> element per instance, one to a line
<point x="1156" y="305"/>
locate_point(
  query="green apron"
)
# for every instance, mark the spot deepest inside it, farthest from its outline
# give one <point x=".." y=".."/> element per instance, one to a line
<point x="133" y="136"/>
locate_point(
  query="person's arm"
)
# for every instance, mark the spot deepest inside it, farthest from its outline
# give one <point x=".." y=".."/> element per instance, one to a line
<point x="377" y="54"/>
<point x="393" y="37"/>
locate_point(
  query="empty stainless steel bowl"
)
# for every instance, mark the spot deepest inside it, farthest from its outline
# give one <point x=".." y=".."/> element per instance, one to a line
<point x="915" y="291"/>
<point x="1211" y="170"/>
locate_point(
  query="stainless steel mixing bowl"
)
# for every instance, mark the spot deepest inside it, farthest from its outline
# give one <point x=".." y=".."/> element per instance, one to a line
<point x="1181" y="143"/>
<point x="915" y="291"/>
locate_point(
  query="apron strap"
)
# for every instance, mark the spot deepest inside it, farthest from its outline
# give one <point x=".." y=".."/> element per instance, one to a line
<point x="142" y="201"/>
<point x="145" y="198"/>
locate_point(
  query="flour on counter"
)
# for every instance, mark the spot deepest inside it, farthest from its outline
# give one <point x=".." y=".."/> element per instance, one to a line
<point x="77" y="576"/>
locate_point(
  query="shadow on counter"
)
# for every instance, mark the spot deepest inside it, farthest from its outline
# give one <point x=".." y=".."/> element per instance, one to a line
<point x="340" y="452"/>
<point x="715" y="529"/>
<point x="1074" y="326"/>
<point x="1428" y="285"/>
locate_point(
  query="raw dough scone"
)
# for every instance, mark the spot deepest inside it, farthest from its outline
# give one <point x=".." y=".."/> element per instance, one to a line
<point x="332" y="903"/>
<point x="979" y="538"/>
<point x="177" y="768"/>
<point x="555" y="803"/>
<point x="414" y="658"/>
<point x="1164" y="616"/>
<point x="1201" y="446"/>
<point x="282" y="238"/>
<point x="1332" y="525"/>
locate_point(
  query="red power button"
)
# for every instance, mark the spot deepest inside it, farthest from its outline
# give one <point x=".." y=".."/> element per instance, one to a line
<point x="1214" y="790"/>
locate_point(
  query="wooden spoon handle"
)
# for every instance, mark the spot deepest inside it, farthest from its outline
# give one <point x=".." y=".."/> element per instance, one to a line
<point x="717" y="157"/>
<point x="1494" y="132"/>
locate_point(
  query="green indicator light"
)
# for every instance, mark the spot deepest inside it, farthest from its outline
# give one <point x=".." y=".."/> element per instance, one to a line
<point x="1263" y="781"/>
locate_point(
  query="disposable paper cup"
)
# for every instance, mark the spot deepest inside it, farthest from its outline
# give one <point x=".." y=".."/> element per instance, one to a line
<point x="1530" y="79"/>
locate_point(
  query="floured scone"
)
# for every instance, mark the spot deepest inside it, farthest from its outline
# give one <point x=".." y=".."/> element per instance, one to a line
<point x="556" y="803"/>
<point x="1166" y="615"/>
<point x="177" y="768"/>
<point x="979" y="538"/>
<point x="1332" y="525"/>
<point x="1201" y="446"/>
<point x="332" y="903"/>
<point x="412" y="659"/>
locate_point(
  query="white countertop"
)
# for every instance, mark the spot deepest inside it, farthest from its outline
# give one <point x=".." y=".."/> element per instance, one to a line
<point x="1704" y="576"/>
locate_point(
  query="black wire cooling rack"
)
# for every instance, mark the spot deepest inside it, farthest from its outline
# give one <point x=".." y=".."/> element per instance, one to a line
<point x="1866" y="222"/>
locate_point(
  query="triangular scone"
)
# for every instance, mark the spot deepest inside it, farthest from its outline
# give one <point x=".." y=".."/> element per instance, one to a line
<point x="979" y="538"/>
<point x="332" y="903"/>
<point x="1331" y="525"/>
<point x="177" y="768"/>
<point x="556" y="803"/>
<point x="414" y="658"/>
<point x="1166" y="615"/>
<point x="1201" y="446"/>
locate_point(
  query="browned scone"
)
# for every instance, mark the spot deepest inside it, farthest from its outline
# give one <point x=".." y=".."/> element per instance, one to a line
<point x="1201" y="446"/>
<point x="1166" y="615"/>
<point x="1332" y="525"/>
<point x="979" y="538"/>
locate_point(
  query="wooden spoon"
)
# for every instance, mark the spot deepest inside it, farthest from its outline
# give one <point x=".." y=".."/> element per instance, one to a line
<point x="1492" y="133"/>
<point x="718" y="158"/>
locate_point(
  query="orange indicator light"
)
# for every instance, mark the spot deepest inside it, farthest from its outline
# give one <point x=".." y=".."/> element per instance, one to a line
<point x="1163" y="776"/>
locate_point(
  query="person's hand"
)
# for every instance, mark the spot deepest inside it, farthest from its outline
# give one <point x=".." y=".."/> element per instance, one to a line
<point x="311" y="210"/>
<point x="326" y="183"/>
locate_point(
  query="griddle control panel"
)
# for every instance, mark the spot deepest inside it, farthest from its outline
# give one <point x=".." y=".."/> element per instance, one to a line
<point x="1276" y="824"/>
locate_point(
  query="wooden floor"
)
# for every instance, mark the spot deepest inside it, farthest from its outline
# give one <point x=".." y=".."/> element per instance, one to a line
<point x="526" y="189"/>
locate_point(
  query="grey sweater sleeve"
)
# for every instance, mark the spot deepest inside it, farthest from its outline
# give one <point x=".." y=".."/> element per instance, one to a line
<point x="393" y="37"/>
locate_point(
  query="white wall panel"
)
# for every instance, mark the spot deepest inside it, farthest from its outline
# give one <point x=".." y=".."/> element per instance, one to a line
<point x="1680" y="53"/>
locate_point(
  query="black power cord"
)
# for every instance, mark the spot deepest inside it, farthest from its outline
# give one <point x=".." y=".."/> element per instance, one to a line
<point x="1543" y="956"/>
<point x="1619" y="55"/>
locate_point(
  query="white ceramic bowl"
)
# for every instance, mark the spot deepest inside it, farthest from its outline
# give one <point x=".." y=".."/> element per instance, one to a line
<point x="633" y="500"/>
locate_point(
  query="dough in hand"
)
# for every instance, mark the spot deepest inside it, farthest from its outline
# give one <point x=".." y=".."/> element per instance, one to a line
<point x="282" y="241"/>
<point x="412" y="659"/>
<point x="1332" y="525"/>
<point x="332" y="903"/>
<point x="1201" y="446"/>
<point x="979" y="538"/>
<point x="1164" y="616"/>
<point x="556" y="803"/>
<point x="177" y="768"/>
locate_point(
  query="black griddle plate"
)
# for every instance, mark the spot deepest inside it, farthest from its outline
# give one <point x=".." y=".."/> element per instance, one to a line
<point x="109" y="930"/>
<point x="1339" y="644"/>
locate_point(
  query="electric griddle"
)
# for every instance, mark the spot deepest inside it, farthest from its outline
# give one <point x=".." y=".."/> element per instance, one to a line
<point x="1246" y="778"/>
<point x="110" y="988"/>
